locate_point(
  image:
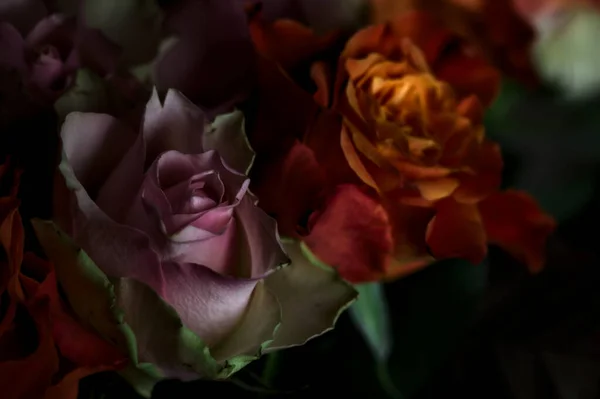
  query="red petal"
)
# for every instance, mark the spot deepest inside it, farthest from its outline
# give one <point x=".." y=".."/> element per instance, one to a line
<point x="457" y="231"/>
<point x="30" y="376"/>
<point x="288" y="186"/>
<point x="353" y="235"/>
<point x="287" y="42"/>
<point x="283" y="111"/>
<point x="487" y="167"/>
<point x="514" y="221"/>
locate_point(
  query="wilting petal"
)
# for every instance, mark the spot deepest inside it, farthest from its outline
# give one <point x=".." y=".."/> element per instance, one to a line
<point x="175" y="125"/>
<point x="457" y="231"/>
<point x="94" y="144"/>
<point x="227" y="135"/>
<point x="325" y="295"/>
<point x="289" y="187"/>
<point x="352" y="235"/>
<point x="213" y="41"/>
<point x="514" y="221"/>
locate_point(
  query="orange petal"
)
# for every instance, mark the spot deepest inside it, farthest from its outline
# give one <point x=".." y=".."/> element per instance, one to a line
<point x="514" y="221"/>
<point x="486" y="177"/>
<point x="433" y="190"/>
<point x="457" y="231"/>
<point x="354" y="159"/>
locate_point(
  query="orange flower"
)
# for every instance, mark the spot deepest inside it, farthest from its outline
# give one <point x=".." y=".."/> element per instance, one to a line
<point x="416" y="136"/>
<point x="405" y="111"/>
<point x="44" y="350"/>
<point x="493" y="26"/>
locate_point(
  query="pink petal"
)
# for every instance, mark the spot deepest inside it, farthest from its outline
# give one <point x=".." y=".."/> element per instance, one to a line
<point x="209" y="304"/>
<point x="94" y="144"/>
<point x="175" y="125"/>
<point x="47" y="75"/>
<point x="122" y="185"/>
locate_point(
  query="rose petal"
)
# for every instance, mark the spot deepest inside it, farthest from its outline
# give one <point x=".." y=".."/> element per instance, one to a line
<point x="174" y="165"/>
<point x="287" y="42"/>
<point x="129" y="253"/>
<point x="175" y="125"/>
<point x="87" y="138"/>
<point x="289" y="187"/>
<point x="486" y="177"/>
<point x="22" y="14"/>
<point x="283" y="111"/>
<point x="12" y="48"/>
<point x="133" y="26"/>
<point x="227" y="136"/>
<point x="205" y="46"/>
<point x="209" y="304"/>
<point x="457" y="231"/>
<point x="162" y="339"/>
<point x="32" y="375"/>
<point x="514" y="221"/>
<point x="353" y="235"/>
<point x="255" y="330"/>
<point x="86" y="287"/>
<point x="326" y="297"/>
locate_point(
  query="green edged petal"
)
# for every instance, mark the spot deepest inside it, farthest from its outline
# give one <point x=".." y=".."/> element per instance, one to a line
<point x="312" y="297"/>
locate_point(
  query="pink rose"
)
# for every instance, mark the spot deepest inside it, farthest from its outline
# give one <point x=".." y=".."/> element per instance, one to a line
<point x="167" y="216"/>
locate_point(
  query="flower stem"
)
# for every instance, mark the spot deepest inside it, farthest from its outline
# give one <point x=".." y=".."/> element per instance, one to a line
<point x="386" y="381"/>
<point x="271" y="369"/>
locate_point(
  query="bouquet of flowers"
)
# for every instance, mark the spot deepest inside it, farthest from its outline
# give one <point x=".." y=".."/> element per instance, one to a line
<point x="191" y="185"/>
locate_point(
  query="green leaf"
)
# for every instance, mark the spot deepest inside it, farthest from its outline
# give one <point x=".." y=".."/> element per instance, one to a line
<point x="370" y="315"/>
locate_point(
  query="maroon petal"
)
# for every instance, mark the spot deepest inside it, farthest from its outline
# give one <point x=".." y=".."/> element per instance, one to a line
<point x="213" y="41"/>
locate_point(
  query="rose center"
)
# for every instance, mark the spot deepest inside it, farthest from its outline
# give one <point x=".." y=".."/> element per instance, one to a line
<point x="199" y="194"/>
